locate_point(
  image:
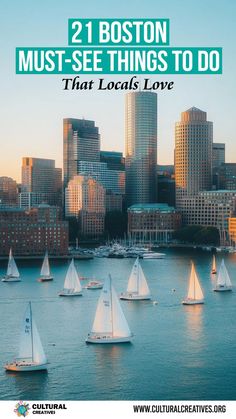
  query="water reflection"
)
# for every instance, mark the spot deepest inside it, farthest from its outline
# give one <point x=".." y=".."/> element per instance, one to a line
<point x="194" y="317"/>
<point x="109" y="359"/>
<point x="25" y="383"/>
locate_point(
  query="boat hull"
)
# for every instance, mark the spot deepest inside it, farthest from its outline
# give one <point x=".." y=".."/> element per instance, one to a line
<point x="45" y="278"/>
<point x="93" y="285"/>
<point x="65" y="294"/>
<point x="10" y="279"/>
<point x="222" y="289"/>
<point x="21" y="367"/>
<point x="100" y="339"/>
<point x="192" y="302"/>
<point x="134" y="297"/>
<point x="213" y="272"/>
<point x="147" y="257"/>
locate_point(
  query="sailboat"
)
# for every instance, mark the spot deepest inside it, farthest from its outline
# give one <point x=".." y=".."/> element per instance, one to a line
<point x="72" y="286"/>
<point x="45" y="274"/>
<point x="110" y="325"/>
<point x="213" y="269"/>
<point x="223" y="282"/>
<point x="13" y="274"/>
<point x="31" y="356"/>
<point x="137" y="288"/>
<point x="195" y="294"/>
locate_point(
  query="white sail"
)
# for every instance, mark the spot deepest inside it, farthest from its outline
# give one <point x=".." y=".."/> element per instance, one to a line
<point x="45" y="270"/>
<point x="12" y="269"/>
<point x="223" y="279"/>
<point x="120" y="325"/>
<point x="26" y="341"/>
<point x="103" y="316"/>
<point x="194" y="290"/>
<point x="72" y="281"/>
<point x="137" y="281"/>
<point x="133" y="279"/>
<point x="109" y="317"/>
<point x="31" y="348"/>
<point x="38" y="353"/>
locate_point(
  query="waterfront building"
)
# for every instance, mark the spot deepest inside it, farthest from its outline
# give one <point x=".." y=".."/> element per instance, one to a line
<point x="154" y="223"/>
<point x="81" y="142"/>
<point x="85" y="200"/>
<point x="193" y="154"/>
<point x="232" y="230"/>
<point x="141" y="147"/>
<point x="31" y="232"/>
<point x="210" y="208"/>
<point x="41" y="182"/>
<point x="8" y="192"/>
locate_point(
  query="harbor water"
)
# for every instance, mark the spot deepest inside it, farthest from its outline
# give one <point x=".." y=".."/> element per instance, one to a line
<point x="178" y="352"/>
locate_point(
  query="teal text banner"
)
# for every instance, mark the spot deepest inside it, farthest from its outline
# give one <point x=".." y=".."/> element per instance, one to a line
<point x="181" y="60"/>
<point x="118" y="32"/>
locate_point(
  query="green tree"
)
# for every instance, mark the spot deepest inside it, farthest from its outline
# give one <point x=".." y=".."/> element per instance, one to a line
<point x="198" y="235"/>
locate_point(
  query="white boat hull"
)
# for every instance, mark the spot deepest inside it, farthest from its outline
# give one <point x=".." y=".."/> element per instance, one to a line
<point x="107" y="339"/>
<point x="192" y="302"/>
<point x="94" y="285"/>
<point x="134" y="297"/>
<point x="11" y="279"/>
<point x="153" y="256"/>
<point x="222" y="289"/>
<point x="45" y="278"/>
<point x="25" y="367"/>
<point x="71" y="294"/>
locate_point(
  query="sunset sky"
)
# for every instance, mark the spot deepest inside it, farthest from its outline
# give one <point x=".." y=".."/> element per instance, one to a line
<point x="32" y="107"/>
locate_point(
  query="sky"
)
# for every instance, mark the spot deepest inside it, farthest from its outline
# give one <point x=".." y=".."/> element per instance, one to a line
<point x="33" y="106"/>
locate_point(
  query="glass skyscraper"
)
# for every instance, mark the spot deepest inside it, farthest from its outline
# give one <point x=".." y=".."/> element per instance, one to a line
<point x="81" y="142"/>
<point x="193" y="154"/>
<point x="141" y="147"/>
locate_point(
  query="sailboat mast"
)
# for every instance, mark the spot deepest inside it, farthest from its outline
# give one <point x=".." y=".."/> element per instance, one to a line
<point x="138" y="278"/>
<point x="31" y="327"/>
<point x="111" y="307"/>
<point x="194" y="284"/>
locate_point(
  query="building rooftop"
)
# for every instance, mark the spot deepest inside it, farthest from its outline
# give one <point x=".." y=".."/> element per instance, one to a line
<point x="151" y="207"/>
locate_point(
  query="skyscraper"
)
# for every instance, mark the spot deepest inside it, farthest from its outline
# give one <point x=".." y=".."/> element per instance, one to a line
<point x="193" y="154"/>
<point x="218" y="154"/>
<point x="141" y="147"/>
<point x="81" y="142"/>
<point x="41" y="182"/>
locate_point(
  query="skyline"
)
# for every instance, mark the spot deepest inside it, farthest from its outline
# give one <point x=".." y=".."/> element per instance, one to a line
<point x="33" y="126"/>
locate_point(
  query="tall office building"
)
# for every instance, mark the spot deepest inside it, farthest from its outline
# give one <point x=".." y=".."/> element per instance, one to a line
<point x="193" y="154"/>
<point x="41" y="182"/>
<point x="141" y="147"/>
<point x="114" y="160"/>
<point x="218" y="159"/>
<point x="81" y="142"/>
<point x="218" y="154"/>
